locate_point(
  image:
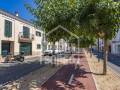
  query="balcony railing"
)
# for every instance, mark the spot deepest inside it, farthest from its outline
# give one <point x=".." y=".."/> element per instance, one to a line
<point x="26" y="38"/>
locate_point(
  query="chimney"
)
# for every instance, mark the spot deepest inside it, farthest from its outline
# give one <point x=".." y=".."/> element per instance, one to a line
<point x="16" y="14"/>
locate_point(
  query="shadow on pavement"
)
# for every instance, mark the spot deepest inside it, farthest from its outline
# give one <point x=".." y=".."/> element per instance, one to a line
<point x="15" y="72"/>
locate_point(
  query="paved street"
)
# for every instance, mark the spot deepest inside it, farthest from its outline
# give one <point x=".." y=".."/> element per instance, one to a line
<point x="114" y="60"/>
<point x="13" y="71"/>
<point x="80" y="79"/>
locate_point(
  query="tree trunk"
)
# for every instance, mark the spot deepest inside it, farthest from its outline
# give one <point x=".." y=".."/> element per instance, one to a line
<point x="98" y="50"/>
<point x="105" y="56"/>
<point x="98" y="45"/>
<point x="87" y="50"/>
<point x="91" y="51"/>
<point x="70" y="47"/>
<point x="53" y="54"/>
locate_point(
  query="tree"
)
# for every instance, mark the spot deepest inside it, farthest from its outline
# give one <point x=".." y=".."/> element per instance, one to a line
<point x="51" y="13"/>
<point x="104" y="17"/>
<point x="99" y="18"/>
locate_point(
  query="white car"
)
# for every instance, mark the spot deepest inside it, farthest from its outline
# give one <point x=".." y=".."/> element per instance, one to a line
<point x="47" y="53"/>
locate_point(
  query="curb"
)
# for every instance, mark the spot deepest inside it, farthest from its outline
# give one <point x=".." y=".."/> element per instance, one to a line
<point x="95" y="82"/>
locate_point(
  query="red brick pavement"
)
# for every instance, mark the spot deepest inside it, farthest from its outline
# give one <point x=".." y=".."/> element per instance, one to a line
<point x="83" y="79"/>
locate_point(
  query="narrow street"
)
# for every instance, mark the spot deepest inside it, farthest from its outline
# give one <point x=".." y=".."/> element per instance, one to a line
<point x="82" y="77"/>
<point x="13" y="71"/>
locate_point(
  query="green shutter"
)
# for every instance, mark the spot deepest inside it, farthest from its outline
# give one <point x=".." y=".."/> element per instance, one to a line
<point x="8" y="28"/>
<point x="26" y="48"/>
<point x="26" y="32"/>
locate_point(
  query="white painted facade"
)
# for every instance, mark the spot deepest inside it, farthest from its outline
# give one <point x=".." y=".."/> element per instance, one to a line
<point x="59" y="45"/>
<point x="17" y="28"/>
<point x="115" y="44"/>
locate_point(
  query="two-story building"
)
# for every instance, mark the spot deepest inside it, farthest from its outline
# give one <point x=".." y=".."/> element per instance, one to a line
<point x="18" y="35"/>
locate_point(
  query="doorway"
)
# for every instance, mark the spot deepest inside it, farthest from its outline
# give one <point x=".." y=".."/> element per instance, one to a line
<point x="7" y="48"/>
<point x="26" y="48"/>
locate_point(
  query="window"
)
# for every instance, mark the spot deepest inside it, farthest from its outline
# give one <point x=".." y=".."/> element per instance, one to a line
<point x="8" y="28"/>
<point x="26" y="32"/>
<point x="38" y="46"/>
<point x="38" y="34"/>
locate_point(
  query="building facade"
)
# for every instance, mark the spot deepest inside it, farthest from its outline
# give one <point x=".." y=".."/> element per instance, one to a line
<point x="60" y="45"/>
<point x="18" y="35"/>
<point x="115" y="44"/>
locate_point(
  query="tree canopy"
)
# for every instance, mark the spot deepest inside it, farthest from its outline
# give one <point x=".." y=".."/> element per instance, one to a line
<point x="88" y="19"/>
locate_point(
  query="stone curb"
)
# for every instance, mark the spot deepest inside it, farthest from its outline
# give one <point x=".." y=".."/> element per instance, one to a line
<point x="96" y="85"/>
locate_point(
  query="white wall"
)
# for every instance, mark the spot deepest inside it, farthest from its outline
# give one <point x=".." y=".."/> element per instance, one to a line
<point x="37" y="40"/>
<point x="115" y="43"/>
<point x="60" y="45"/>
<point x="17" y="27"/>
<point x="3" y="18"/>
<point x="0" y="31"/>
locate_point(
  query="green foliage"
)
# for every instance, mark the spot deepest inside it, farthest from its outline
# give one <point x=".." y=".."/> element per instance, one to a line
<point x="51" y="13"/>
<point x="95" y="18"/>
<point x="88" y="19"/>
<point x="83" y="41"/>
<point x="101" y="18"/>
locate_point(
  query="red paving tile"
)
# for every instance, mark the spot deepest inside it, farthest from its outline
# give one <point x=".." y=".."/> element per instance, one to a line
<point x="83" y="79"/>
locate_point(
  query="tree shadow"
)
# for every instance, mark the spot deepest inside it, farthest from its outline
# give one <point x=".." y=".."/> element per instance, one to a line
<point x="60" y="83"/>
<point x="60" y="79"/>
<point x="101" y="74"/>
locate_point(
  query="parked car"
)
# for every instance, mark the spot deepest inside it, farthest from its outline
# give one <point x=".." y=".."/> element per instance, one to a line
<point x="47" y="53"/>
<point x="50" y="52"/>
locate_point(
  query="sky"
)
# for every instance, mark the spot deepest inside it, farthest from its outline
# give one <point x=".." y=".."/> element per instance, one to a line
<point x="17" y="5"/>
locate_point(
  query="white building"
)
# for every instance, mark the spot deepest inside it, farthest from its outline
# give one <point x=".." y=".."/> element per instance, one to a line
<point x="18" y="35"/>
<point x="115" y="44"/>
<point x="61" y="45"/>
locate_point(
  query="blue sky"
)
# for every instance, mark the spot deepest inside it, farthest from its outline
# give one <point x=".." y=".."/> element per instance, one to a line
<point x="17" y="5"/>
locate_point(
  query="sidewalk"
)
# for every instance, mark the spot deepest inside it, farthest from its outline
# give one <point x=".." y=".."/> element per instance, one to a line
<point x="111" y="81"/>
<point x="82" y="78"/>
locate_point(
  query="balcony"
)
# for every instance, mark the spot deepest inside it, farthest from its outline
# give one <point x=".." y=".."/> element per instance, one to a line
<point x="25" y="38"/>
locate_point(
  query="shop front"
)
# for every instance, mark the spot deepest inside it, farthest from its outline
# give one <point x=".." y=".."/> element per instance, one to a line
<point x="7" y="47"/>
<point x="26" y="48"/>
